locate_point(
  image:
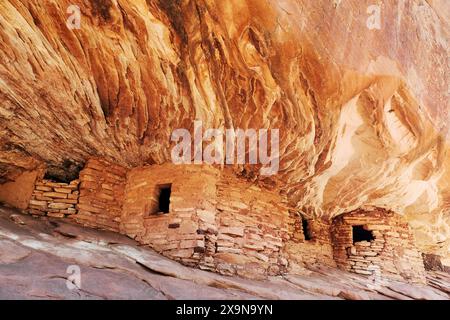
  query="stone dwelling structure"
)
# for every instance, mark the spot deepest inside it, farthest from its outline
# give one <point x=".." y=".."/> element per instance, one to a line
<point x="209" y="218"/>
<point x="376" y="242"/>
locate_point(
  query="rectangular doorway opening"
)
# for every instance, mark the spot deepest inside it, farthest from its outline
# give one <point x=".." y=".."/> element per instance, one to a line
<point x="306" y="229"/>
<point x="164" y="191"/>
<point x="361" y="234"/>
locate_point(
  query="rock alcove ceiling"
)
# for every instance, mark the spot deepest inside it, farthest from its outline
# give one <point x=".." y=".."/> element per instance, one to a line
<point x="363" y="114"/>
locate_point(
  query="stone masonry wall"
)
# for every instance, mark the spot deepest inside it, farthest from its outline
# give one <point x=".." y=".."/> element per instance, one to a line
<point x="391" y="254"/>
<point x="102" y="187"/>
<point x="184" y="233"/>
<point x="303" y="253"/>
<point x="216" y="221"/>
<point x="253" y="225"/>
<point x="54" y="199"/>
<point x="219" y="222"/>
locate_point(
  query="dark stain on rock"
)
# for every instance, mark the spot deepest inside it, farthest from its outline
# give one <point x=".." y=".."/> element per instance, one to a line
<point x="101" y="8"/>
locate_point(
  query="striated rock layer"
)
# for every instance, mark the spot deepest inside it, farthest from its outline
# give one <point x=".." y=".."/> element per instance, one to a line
<point x="363" y="113"/>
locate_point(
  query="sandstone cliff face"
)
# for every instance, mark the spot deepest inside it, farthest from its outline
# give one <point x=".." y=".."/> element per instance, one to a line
<point x="363" y="113"/>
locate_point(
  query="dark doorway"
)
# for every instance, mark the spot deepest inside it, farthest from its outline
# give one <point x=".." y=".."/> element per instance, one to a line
<point x="164" y="198"/>
<point x="361" y="234"/>
<point x="306" y="229"/>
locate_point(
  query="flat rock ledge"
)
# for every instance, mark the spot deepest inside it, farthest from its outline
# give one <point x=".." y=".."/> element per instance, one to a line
<point x="39" y="255"/>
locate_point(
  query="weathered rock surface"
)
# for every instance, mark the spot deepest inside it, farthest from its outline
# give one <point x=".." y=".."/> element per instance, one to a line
<point x="37" y="252"/>
<point x="363" y="113"/>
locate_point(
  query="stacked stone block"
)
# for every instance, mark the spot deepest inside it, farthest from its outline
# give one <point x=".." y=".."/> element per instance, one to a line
<point x="54" y="199"/>
<point x="303" y="253"/>
<point x="184" y="234"/>
<point x="253" y="225"/>
<point x="102" y="187"/>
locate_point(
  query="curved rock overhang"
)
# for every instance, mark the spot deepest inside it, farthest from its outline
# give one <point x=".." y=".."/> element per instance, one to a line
<point x="363" y="113"/>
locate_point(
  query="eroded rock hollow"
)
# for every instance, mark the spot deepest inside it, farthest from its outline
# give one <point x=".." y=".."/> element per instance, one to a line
<point x="87" y="113"/>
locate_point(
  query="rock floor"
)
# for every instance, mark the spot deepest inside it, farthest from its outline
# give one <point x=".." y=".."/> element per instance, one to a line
<point x="35" y="254"/>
